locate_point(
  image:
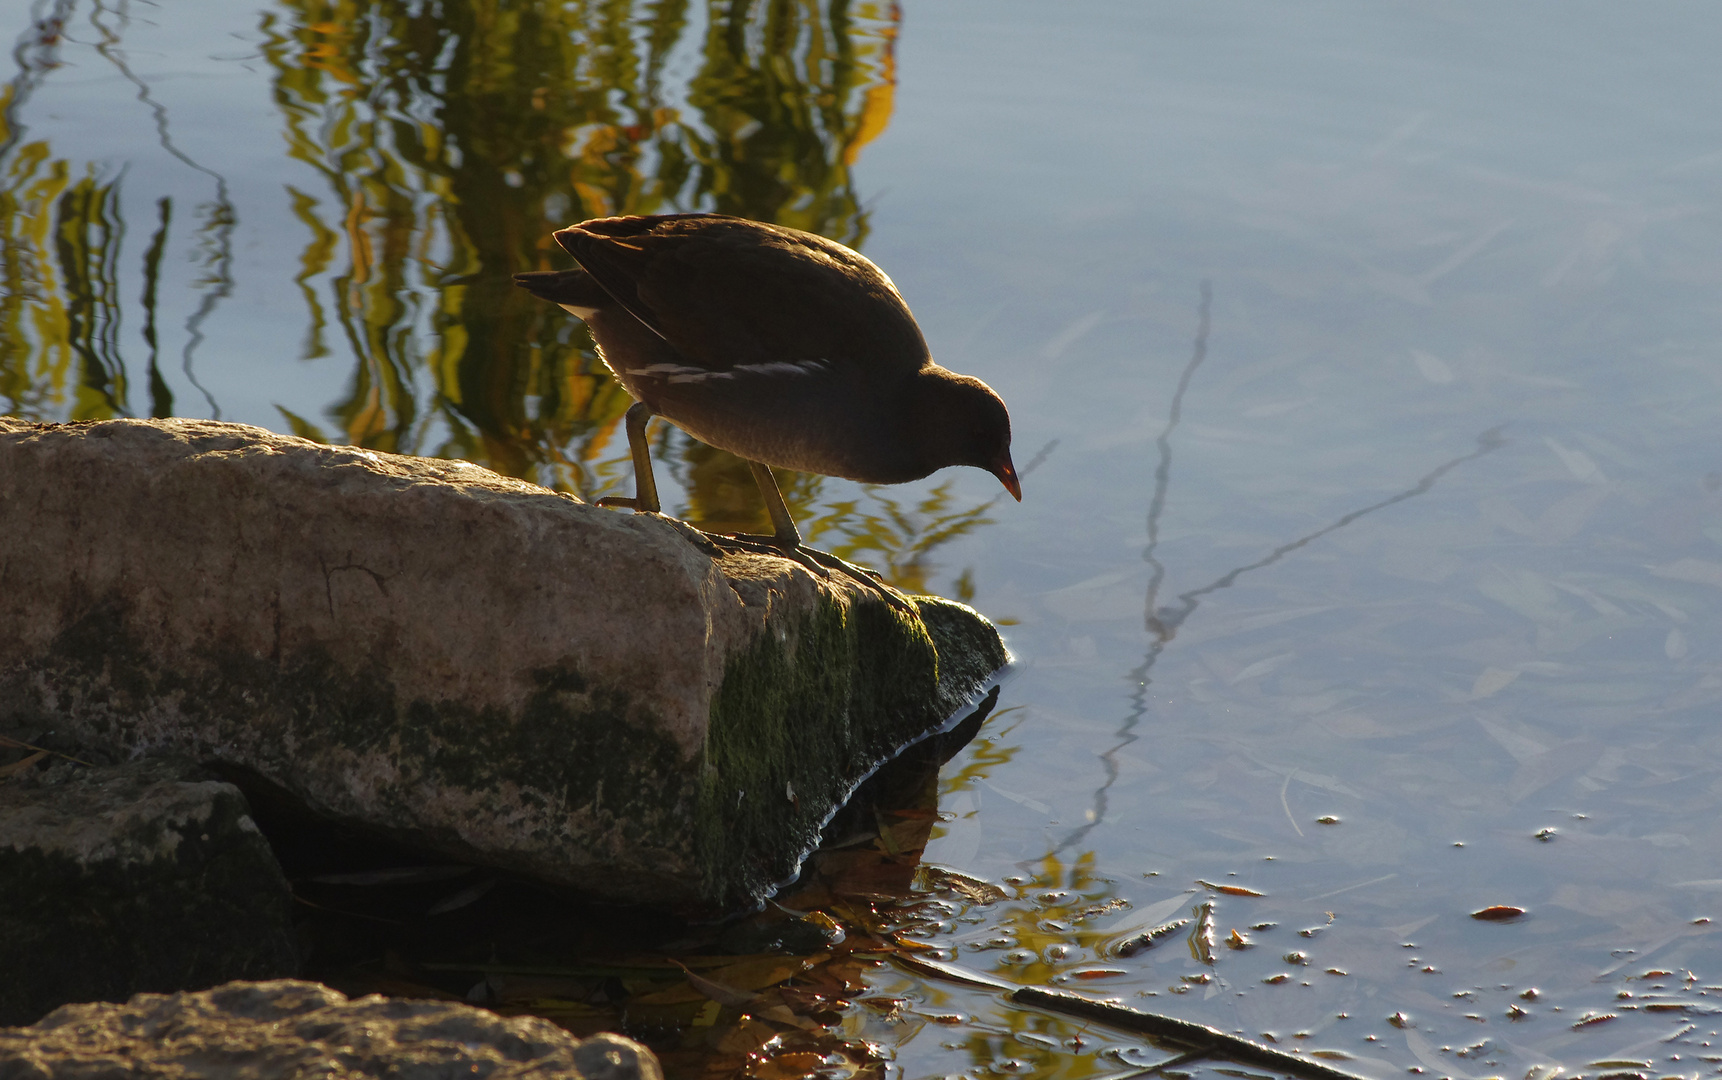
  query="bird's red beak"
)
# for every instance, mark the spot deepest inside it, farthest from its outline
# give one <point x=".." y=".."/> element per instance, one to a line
<point x="1006" y="472"/>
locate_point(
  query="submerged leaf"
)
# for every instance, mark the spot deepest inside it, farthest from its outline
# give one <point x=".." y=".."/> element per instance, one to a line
<point x="463" y="897"/>
<point x="973" y="889"/>
<point x="20" y="766"/>
<point x="734" y="984"/>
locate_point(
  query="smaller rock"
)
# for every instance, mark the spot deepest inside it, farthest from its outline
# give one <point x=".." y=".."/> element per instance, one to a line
<point x="287" y="1030"/>
<point x="129" y="878"/>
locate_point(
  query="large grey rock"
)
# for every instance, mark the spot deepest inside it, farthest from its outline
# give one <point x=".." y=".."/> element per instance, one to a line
<point x="290" y="1030"/>
<point x="130" y="878"/>
<point x="456" y="660"/>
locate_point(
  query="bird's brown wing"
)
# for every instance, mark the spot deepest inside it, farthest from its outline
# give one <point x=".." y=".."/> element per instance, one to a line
<point x="726" y="292"/>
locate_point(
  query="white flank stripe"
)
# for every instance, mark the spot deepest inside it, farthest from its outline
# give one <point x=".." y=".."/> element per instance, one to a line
<point x="673" y="371"/>
<point x="802" y="367"/>
<point x="680" y="373"/>
<point x="577" y="311"/>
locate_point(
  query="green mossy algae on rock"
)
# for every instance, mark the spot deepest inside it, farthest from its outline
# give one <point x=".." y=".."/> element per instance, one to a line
<point x="453" y="660"/>
<point x="795" y="714"/>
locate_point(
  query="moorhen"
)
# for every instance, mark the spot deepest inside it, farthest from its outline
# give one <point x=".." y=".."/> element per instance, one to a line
<point x="778" y="345"/>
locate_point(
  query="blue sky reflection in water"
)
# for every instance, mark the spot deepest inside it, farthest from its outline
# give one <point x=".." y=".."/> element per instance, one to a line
<point x="1374" y="556"/>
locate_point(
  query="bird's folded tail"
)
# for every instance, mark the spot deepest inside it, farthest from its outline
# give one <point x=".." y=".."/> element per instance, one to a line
<point x="569" y="288"/>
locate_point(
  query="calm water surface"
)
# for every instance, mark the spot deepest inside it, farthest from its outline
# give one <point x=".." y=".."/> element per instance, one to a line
<point x="1369" y="357"/>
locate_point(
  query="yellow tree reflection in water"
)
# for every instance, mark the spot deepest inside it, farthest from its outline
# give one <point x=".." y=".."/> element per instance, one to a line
<point x="36" y="336"/>
<point x="62" y="240"/>
<point x="35" y="343"/>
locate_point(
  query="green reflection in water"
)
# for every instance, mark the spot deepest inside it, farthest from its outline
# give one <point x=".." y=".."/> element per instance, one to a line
<point x="61" y="247"/>
<point x="35" y="327"/>
<point x="87" y="233"/>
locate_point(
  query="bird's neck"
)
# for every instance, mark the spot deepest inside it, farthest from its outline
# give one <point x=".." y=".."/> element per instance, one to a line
<point x="927" y="429"/>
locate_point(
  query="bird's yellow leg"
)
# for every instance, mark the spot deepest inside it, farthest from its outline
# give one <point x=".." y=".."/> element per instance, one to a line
<point x="645" y="498"/>
<point x="784" y="533"/>
<point x="786" y="540"/>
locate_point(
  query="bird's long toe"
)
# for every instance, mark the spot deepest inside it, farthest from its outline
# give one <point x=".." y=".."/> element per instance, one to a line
<point x="622" y="502"/>
<point x="820" y="564"/>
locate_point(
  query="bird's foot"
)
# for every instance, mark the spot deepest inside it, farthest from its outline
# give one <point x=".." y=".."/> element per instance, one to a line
<point x="820" y="563"/>
<point x="872" y="579"/>
<point x="758" y="543"/>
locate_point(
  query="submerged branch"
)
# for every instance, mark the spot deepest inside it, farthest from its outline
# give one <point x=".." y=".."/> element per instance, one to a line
<point x="1205" y="1040"/>
<point x="1202" y="1040"/>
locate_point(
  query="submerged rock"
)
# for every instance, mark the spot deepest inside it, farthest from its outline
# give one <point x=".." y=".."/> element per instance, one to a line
<point x="454" y="660"/>
<point x="286" y="1030"/>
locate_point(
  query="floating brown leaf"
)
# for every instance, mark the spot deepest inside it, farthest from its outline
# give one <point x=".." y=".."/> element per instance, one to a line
<point x="790" y="1066"/>
<point x="1229" y="890"/>
<point x="1498" y="913"/>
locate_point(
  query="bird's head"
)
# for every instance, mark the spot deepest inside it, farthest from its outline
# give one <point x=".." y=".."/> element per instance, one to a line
<point x="960" y="421"/>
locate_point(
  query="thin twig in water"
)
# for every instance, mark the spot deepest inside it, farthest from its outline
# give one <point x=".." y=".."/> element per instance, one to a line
<point x="1203" y="1041"/>
<point x="1285" y="787"/>
<point x="1212" y="1042"/>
